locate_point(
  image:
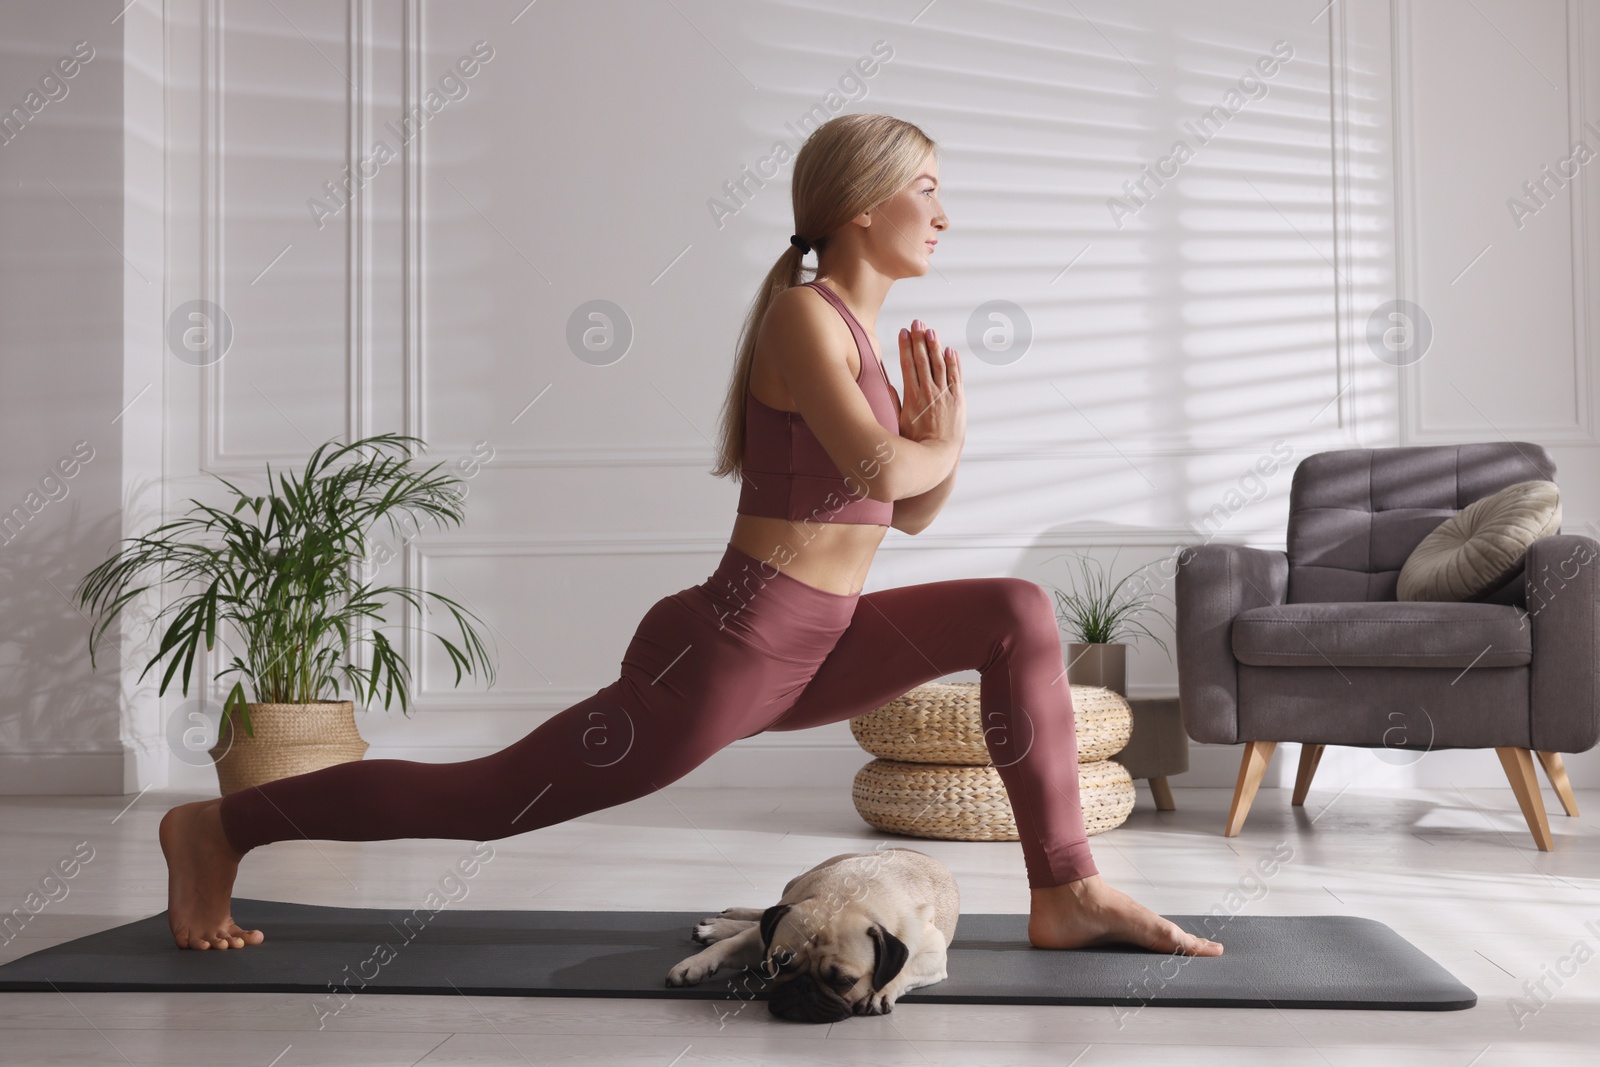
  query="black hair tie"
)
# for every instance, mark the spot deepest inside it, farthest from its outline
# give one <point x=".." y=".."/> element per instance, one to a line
<point x="800" y="242"/>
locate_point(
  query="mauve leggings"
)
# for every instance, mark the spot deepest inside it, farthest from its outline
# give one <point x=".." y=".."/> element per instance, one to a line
<point x="749" y="649"/>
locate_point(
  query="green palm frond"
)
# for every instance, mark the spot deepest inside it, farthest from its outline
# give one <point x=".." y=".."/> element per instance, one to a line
<point x="283" y="570"/>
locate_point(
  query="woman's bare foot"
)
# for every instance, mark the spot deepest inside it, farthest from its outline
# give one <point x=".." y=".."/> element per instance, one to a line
<point x="200" y="869"/>
<point x="1089" y="912"/>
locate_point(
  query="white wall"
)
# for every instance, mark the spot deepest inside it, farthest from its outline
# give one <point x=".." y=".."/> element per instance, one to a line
<point x="1168" y="353"/>
<point x="80" y="213"/>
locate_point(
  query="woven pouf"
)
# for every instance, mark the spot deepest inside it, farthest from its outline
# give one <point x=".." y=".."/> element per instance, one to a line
<point x="961" y="802"/>
<point x="933" y="776"/>
<point x="941" y="722"/>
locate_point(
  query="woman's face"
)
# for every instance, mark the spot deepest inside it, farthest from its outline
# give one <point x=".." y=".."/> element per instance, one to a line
<point x="902" y="228"/>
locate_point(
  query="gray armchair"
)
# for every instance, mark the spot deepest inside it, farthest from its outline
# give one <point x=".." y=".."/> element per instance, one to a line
<point x="1310" y="645"/>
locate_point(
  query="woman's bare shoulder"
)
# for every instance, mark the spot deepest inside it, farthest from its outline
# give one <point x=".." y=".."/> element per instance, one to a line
<point x="801" y="331"/>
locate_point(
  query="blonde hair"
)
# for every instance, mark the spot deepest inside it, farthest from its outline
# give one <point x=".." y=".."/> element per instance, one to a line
<point x="849" y="164"/>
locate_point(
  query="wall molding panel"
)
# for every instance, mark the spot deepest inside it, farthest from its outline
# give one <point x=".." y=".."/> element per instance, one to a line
<point x="1581" y="429"/>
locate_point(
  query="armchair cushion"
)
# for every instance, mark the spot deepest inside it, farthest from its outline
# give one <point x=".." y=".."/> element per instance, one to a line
<point x="1424" y="633"/>
<point x="1480" y="548"/>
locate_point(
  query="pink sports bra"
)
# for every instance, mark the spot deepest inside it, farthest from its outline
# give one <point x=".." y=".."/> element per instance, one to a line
<point x="787" y="474"/>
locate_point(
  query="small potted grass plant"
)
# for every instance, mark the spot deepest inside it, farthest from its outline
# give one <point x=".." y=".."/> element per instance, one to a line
<point x="1097" y="614"/>
<point x="285" y="571"/>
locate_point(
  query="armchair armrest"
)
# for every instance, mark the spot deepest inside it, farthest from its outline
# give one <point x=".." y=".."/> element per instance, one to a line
<point x="1214" y="584"/>
<point x="1563" y="572"/>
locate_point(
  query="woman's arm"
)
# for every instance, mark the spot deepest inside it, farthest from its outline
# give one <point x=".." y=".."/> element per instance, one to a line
<point x="814" y="367"/>
<point x="913" y="514"/>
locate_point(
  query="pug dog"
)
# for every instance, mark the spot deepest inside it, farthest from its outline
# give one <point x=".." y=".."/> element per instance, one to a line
<point x="847" y="937"/>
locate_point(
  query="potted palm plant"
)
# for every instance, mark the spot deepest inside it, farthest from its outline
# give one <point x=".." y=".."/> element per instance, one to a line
<point x="284" y="571"/>
<point x="1097" y="614"/>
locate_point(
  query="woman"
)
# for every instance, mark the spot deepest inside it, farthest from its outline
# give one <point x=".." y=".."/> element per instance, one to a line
<point x="779" y="637"/>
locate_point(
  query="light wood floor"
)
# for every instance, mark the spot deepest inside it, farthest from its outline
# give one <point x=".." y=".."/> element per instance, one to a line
<point x="1455" y="871"/>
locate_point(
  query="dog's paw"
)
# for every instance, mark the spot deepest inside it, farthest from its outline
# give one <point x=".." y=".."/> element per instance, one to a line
<point x="715" y="927"/>
<point x="878" y="1003"/>
<point x="691" y="971"/>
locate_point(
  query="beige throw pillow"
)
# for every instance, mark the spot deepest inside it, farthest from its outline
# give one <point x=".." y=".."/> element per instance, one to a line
<point x="1479" y="547"/>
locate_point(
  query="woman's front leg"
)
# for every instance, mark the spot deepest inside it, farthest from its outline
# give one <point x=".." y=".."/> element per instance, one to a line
<point x="1005" y="628"/>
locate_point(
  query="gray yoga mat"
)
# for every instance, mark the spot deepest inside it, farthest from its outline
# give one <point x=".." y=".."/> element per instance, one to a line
<point x="1300" y="961"/>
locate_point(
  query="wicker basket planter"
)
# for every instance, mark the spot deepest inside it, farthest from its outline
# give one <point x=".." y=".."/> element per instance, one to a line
<point x="289" y="739"/>
<point x="933" y="776"/>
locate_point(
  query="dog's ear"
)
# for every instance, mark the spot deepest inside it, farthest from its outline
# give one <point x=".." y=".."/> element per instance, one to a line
<point x="769" y="924"/>
<point x="889" y="955"/>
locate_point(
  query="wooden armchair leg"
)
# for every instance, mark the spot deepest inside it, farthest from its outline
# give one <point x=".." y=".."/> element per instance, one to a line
<point x="1518" y="763"/>
<point x="1557" y="773"/>
<point x="1162" y="792"/>
<point x="1251" y="767"/>
<point x="1310" y="756"/>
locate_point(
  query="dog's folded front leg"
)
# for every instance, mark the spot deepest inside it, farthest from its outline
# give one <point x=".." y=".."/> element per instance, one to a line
<point x="743" y="949"/>
<point x="925" y="968"/>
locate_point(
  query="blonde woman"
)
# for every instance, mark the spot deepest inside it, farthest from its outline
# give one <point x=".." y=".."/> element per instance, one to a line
<point x="780" y="636"/>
